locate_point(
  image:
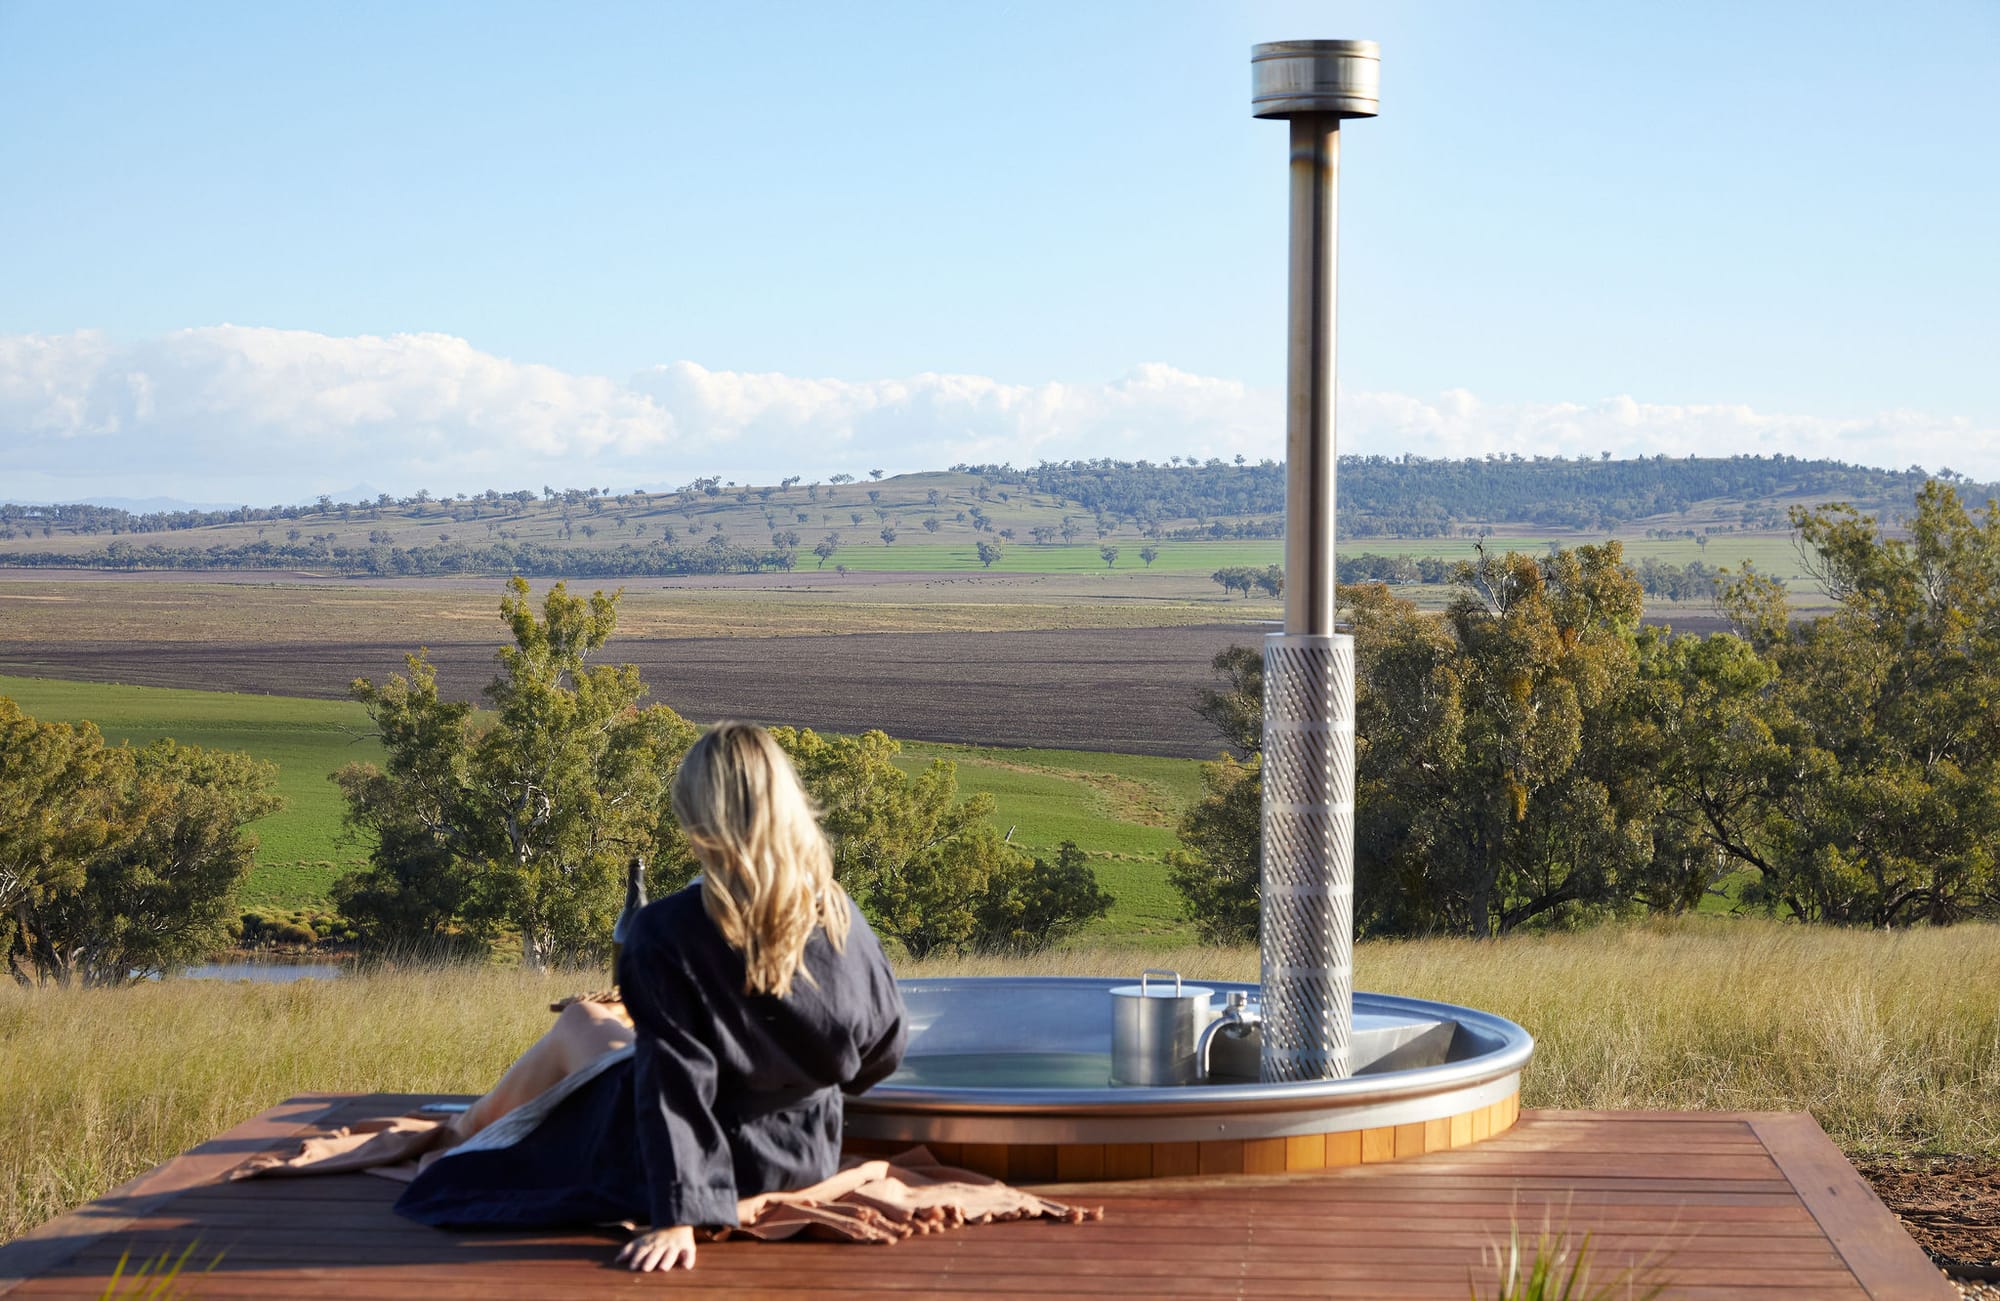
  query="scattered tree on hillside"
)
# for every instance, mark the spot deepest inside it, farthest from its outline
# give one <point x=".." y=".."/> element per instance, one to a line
<point x="1247" y="579"/>
<point x="988" y="553"/>
<point x="1109" y="555"/>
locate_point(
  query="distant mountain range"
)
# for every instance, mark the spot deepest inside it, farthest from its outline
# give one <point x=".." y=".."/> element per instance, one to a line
<point x="138" y="505"/>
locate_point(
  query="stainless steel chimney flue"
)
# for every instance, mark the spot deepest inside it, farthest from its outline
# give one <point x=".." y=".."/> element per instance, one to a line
<point x="1306" y="927"/>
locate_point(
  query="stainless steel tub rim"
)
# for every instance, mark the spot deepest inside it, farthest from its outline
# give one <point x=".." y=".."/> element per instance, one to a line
<point x="1497" y="1049"/>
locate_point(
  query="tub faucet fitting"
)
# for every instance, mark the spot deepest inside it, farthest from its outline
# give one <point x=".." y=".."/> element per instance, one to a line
<point x="1236" y="1019"/>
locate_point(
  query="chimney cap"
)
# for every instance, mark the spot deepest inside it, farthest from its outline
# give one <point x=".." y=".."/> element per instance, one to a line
<point x="1292" y="78"/>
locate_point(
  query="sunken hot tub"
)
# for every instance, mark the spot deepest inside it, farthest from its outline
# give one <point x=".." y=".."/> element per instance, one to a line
<point x="1011" y="1076"/>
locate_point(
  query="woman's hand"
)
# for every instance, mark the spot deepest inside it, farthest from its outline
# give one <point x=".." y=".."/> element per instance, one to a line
<point x="660" y="1249"/>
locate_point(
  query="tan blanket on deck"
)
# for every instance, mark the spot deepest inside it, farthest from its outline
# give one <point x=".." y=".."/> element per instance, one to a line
<point x="881" y="1201"/>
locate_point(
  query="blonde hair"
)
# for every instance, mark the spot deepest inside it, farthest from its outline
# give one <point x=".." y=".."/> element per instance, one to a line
<point x="767" y="875"/>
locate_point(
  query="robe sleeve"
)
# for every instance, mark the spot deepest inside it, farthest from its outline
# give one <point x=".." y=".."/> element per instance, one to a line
<point x="887" y="1030"/>
<point x="879" y="1061"/>
<point x="690" y="1168"/>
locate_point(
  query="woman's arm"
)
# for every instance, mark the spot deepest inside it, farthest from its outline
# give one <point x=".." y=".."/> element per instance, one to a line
<point x="880" y="1059"/>
<point x="884" y="1026"/>
<point x="690" y="1167"/>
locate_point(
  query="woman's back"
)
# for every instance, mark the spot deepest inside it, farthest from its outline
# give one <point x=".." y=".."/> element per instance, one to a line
<point x="840" y="1027"/>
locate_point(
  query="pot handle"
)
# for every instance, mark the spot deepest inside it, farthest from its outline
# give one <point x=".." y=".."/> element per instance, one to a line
<point x="1159" y="971"/>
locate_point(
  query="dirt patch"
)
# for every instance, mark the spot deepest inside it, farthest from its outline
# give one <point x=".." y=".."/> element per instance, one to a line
<point x="1129" y="690"/>
<point x="1951" y="1206"/>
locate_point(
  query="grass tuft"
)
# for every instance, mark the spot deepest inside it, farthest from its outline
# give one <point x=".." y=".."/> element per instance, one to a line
<point x="157" y="1278"/>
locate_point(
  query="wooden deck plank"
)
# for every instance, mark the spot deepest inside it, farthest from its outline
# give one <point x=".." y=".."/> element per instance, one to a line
<point x="47" y="1246"/>
<point x="1170" y="1230"/>
<point x="1861" y="1228"/>
<point x="1741" y="1205"/>
<point x="1088" y="1258"/>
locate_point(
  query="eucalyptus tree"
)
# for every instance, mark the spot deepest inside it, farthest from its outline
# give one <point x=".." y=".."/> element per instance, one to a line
<point x="116" y="862"/>
<point x="1886" y="809"/>
<point x="918" y="858"/>
<point x="55" y="811"/>
<point x="1494" y="782"/>
<point x="160" y="893"/>
<point x="527" y="820"/>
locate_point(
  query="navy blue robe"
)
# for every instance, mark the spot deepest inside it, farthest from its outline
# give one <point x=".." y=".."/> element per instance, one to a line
<point x="724" y="1095"/>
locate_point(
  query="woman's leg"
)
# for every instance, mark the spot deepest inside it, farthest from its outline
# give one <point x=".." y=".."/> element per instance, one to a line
<point x="583" y="1032"/>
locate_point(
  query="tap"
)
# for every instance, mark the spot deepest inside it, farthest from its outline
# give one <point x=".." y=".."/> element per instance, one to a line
<point x="1236" y="1019"/>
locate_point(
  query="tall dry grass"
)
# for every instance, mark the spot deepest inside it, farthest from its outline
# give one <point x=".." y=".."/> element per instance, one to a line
<point x="97" y="1086"/>
<point x="1891" y="1040"/>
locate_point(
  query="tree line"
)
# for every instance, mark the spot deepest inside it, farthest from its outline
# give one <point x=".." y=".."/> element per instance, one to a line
<point x="1415" y="496"/>
<point x="1689" y="582"/>
<point x="1536" y="757"/>
<point x="532" y="559"/>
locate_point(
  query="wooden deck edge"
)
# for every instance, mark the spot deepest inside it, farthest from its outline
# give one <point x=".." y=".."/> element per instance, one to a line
<point x="1664" y="1117"/>
<point x="1886" y="1261"/>
<point x="49" y="1245"/>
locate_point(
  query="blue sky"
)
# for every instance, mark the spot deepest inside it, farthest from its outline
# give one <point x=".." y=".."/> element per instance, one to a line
<point x="462" y="246"/>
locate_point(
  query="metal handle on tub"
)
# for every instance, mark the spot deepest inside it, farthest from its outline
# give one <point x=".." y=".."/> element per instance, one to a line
<point x="1159" y="971"/>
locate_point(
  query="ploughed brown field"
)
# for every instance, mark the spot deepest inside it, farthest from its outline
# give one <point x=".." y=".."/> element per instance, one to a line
<point x="1028" y="660"/>
<point x="1130" y="690"/>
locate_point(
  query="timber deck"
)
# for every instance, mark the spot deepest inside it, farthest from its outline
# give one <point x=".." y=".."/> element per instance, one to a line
<point x="1711" y="1205"/>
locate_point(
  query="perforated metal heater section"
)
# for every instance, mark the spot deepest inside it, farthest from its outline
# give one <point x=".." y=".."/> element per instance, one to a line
<point x="1307" y="928"/>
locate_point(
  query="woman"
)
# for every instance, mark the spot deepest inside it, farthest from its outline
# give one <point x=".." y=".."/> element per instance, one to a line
<point x="757" y="996"/>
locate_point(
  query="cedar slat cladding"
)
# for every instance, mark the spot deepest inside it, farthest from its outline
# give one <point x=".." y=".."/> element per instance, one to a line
<point x="1754" y="1207"/>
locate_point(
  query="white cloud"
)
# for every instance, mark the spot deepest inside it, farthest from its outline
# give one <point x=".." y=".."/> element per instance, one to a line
<point x="1459" y="424"/>
<point x="266" y="415"/>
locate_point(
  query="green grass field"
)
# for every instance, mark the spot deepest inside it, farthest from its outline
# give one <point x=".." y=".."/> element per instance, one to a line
<point x="298" y="851"/>
<point x="1119" y="809"/>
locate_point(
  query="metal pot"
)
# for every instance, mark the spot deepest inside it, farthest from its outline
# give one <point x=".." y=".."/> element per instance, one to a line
<point x="1156" y="1031"/>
